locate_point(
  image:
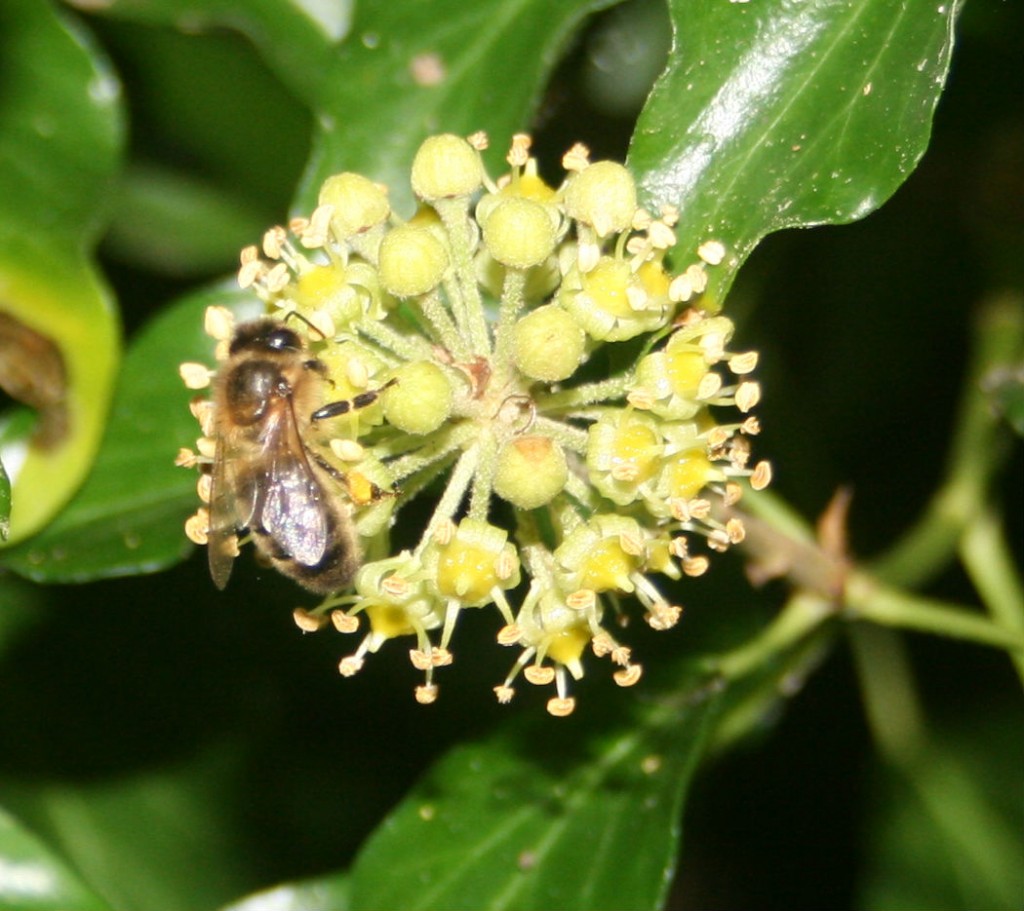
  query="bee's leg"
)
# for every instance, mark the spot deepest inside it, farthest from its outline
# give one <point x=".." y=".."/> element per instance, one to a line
<point x="333" y="409"/>
<point x="360" y="489"/>
<point x="332" y="470"/>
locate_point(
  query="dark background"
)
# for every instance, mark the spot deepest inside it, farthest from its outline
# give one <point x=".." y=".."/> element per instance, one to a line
<point x="863" y="331"/>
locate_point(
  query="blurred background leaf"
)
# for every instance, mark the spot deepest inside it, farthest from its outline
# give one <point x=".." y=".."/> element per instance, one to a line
<point x="327" y="894"/>
<point x="60" y="143"/>
<point x="404" y="72"/>
<point x="129" y="516"/>
<point x="946" y="830"/>
<point x="32" y="879"/>
<point x="239" y="143"/>
<point x="155" y="840"/>
<point x="61" y="127"/>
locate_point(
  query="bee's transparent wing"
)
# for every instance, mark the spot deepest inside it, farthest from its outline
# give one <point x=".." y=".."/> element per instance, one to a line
<point x="221" y="545"/>
<point x="291" y="508"/>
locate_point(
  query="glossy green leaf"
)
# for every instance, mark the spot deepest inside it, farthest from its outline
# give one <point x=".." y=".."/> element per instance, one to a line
<point x="60" y="139"/>
<point x="331" y="893"/>
<point x="60" y="125"/>
<point x="128" y="516"/>
<point x="32" y="878"/>
<point x="552" y="815"/>
<point x="776" y="114"/>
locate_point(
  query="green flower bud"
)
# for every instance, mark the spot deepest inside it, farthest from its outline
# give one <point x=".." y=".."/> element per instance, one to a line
<point x="446" y="166"/>
<point x="412" y="261"/>
<point x="519" y="233"/>
<point x="548" y="344"/>
<point x="602" y="195"/>
<point x="359" y="204"/>
<point x="421" y="400"/>
<point x="528" y="186"/>
<point x="531" y="471"/>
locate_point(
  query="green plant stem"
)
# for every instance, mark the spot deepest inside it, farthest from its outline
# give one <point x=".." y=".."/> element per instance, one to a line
<point x="406" y="347"/>
<point x="436" y="447"/>
<point x="771" y="666"/>
<point x="577" y="488"/>
<point x="977" y="451"/>
<point x="512" y="302"/>
<point x="955" y="518"/>
<point x="803" y="614"/>
<point x="889" y="692"/>
<point x="793" y="642"/>
<point x="458" y="482"/>
<point x="570" y="437"/>
<point x="585" y="394"/>
<point x="464" y="296"/>
<point x="970" y="823"/>
<point x="483" y="478"/>
<point x="442" y="323"/>
<point x="990" y="565"/>
<point x="869" y="599"/>
<point x="777" y="513"/>
<point x="826" y="587"/>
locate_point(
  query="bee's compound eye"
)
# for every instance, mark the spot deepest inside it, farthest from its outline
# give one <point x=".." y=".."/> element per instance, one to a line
<point x="282" y="340"/>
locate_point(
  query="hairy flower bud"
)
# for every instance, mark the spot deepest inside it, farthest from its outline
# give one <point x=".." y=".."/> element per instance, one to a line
<point x="446" y="166"/>
<point x="531" y="471"/>
<point x="412" y="261"/>
<point x="421" y="399"/>
<point x="518" y="233"/>
<point x="548" y="344"/>
<point x="358" y="203"/>
<point x="602" y="195"/>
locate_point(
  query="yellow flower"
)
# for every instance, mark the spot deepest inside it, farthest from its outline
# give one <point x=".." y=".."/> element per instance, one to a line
<point x="464" y="353"/>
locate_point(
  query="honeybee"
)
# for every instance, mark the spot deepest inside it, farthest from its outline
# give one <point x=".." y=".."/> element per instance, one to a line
<point x="265" y="477"/>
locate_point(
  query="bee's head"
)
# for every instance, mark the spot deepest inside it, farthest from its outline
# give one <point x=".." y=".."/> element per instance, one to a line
<point x="264" y="335"/>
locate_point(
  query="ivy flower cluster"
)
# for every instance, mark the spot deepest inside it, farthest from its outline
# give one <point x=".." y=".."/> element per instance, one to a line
<point x="488" y="322"/>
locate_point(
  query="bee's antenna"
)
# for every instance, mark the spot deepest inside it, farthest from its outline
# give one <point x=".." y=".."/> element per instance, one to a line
<point x="307" y="321"/>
